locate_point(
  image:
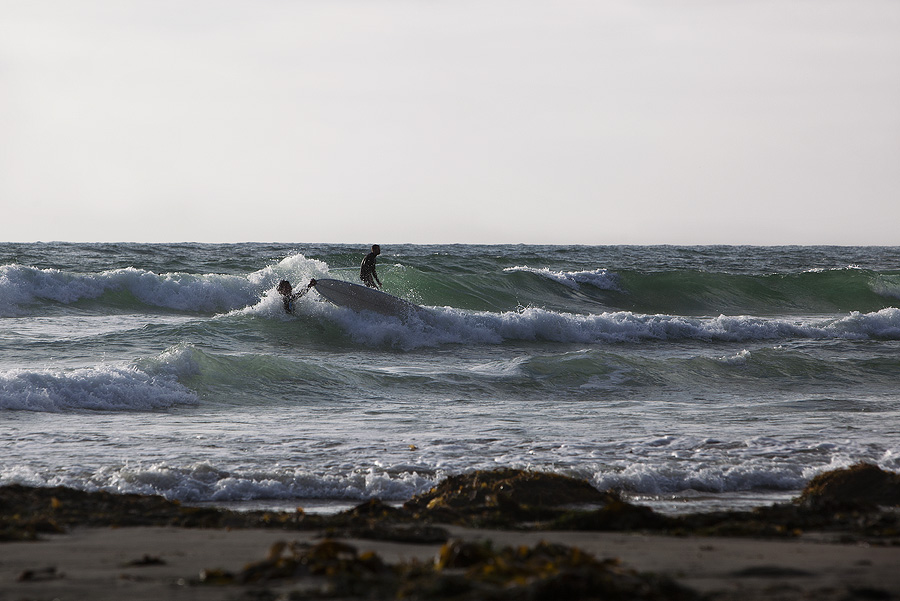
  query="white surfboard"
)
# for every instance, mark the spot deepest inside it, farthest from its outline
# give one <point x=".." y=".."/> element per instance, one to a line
<point x="361" y="298"/>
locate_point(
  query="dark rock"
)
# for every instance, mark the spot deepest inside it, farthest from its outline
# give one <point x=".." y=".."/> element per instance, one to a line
<point x="860" y="485"/>
<point x="398" y="533"/>
<point x="503" y="498"/>
<point x="771" y="572"/>
<point x="519" y="487"/>
<point x="39" y="575"/>
<point x="616" y="515"/>
<point x="146" y="560"/>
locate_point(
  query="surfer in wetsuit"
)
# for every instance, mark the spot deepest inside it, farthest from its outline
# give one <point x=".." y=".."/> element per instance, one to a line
<point x="288" y="296"/>
<point x="367" y="269"/>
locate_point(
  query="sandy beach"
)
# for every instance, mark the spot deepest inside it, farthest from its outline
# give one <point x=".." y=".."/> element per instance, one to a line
<point x="139" y="563"/>
<point x="500" y="535"/>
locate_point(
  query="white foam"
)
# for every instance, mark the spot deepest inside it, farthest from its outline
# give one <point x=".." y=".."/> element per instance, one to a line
<point x="740" y="358"/>
<point x="746" y="473"/>
<point x="446" y="325"/>
<point x="656" y="465"/>
<point x="203" y="482"/>
<point x="599" y="278"/>
<point x="104" y="388"/>
<point x="20" y="285"/>
<point x="296" y="268"/>
<point x="879" y="324"/>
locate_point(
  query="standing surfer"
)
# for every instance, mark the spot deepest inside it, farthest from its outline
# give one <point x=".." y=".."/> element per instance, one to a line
<point x="367" y="269"/>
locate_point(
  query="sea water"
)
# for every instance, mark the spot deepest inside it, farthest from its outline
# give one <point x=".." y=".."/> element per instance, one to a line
<point x="689" y="378"/>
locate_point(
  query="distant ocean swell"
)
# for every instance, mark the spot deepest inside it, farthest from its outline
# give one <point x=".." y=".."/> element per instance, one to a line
<point x="27" y="290"/>
<point x="185" y="375"/>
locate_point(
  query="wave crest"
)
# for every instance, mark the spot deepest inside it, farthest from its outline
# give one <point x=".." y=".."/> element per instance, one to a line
<point x="598" y="278"/>
<point x="103" y="388"/>
<point x="446" y="325"/>
<point x="22" y="285"/>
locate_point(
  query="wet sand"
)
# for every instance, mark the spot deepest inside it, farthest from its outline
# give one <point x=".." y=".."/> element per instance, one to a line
<point x="138" y="563"/>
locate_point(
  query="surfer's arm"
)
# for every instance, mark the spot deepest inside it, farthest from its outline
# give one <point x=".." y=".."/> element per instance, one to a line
<point x="289" y="306"/>
<point x="297" y="295"/>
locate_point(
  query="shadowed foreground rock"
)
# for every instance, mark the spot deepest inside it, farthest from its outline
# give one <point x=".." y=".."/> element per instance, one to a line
<point x="862" y="486"/>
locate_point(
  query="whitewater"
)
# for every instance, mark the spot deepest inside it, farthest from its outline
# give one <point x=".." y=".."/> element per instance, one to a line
<point x="689" y="378"/>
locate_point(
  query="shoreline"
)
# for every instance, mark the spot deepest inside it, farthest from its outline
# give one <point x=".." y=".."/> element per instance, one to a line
<point x="667" y="504"/>
<point x="503" y="534"/>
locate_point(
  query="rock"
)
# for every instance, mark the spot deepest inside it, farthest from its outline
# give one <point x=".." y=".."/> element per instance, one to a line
<point x="860" y="485"/>
<point x="505" y="498"/>
<point x="511" y="486"/>
<point x="616" y="515"/>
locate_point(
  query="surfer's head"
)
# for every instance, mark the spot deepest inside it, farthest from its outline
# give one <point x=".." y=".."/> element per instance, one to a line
<point x="376" y="249"/>
<point x="284" y="288"/>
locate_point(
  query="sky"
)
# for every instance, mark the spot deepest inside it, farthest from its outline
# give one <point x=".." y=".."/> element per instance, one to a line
<point x="451" y="121"/>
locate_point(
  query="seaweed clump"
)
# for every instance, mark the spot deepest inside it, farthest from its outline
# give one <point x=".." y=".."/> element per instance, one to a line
<point x="326" y="569"/>
<point x="27" y="511"/>
<point x="503" y="498"/>
<point x="860" y="486"/>
<point x="462" y="571"/>
<point x="376" y="520"/>
<point x="616" y="515"/>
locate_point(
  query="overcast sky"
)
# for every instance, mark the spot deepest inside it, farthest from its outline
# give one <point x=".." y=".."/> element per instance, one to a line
<point x="437" y="121"/>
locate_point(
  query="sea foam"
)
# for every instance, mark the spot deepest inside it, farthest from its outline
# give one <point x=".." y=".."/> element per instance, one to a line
<point x="102" y="388"/>
<point x="599" y="278"/>
<point x="447" y="325"/>
<point x="21" y="285"/>
<point x="204" y="482"/>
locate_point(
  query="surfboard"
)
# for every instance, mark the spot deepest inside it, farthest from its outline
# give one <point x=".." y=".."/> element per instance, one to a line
<point x="360" y="298"/>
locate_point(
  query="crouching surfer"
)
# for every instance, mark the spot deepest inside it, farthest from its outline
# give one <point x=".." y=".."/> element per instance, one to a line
<point x="288" y="296"/>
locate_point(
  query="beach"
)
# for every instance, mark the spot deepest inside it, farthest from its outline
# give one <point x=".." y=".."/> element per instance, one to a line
<point x="504" y="534"/>
<point x="450" y="301"/>
<point x="91" y="563"/>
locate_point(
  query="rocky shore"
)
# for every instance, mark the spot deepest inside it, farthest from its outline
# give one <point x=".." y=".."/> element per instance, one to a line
<point x="505" y="534"/>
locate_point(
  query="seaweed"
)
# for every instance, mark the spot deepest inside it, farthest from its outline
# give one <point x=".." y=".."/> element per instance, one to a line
<point x="462" y="571"/>
<point x="862" y="486"/>
<point x="504" y="498"/>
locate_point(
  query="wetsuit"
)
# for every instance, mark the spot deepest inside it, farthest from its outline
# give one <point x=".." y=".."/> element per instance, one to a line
<point x="289" y="301"/>
<point x="367" y="271"/>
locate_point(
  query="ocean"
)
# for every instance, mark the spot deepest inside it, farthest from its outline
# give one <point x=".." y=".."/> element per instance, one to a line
<point x="690" y="378"/>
